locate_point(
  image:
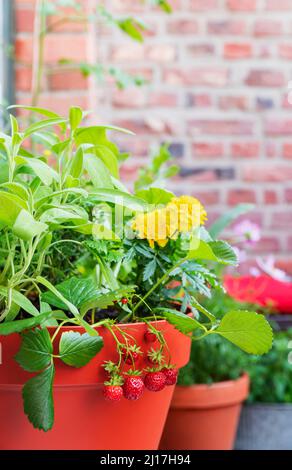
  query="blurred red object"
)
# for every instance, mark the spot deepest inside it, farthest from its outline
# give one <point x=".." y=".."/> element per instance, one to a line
<point x="262" y="290"/>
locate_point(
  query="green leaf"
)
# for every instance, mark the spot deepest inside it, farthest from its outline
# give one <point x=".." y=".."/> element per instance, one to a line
<point x="155" y="196"/>
<point x="76" y="164"/>
<point x="38" y="399"/>
<point x="218" y="251"/>
<point x="108" y="157"/>
<point x="131" y="27"/>
<point x="42" y="124"/>
<point x="19" y="299"/>
<point x="103" y="301"/>
<point x="16" y="188"/>
<point x="77" y="349"/>
<point x="45" y="173"/>
<point x="202" y="309"/>
<point x="249" y="331"/>
<point x="149" y="270"/>
<point x="98" y="172"/>
<point x="228" y="217"/>
<point x="76" y="290"/>
<point x="69" y="305"/>
<point x="120" y="198"/>
<point x="36" y="350"/>
<point x="75" y="117"/>
<point x="17" y="326"/>
<point x="26" y="227"/>
<point x="179" y="320"/>
<point x="43" y="111"/>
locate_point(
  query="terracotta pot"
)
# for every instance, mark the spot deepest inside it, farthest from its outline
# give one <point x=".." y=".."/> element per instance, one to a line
<point x="262" y="290"/>
<point x="83" y="419"/>
<point x="205" y="417"/>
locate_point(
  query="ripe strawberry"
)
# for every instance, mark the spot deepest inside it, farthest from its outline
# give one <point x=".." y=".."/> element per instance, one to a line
<point x="133" y="387"/>
<point x="170" y="375"/>
<point x="155" y="381"/>
<point x="124" y="301"/>
<point x="113" y="392"/>
<point x="150" y="337"/>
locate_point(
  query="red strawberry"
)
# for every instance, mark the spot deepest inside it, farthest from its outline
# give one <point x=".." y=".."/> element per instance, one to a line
<point x="124" y="301"/>
<point x="150" y="337"/>
<point x="155" y="381"/>
<point x="170" y="375"/>
<point x="133" y="387"/>
<point x="113" y="392"/>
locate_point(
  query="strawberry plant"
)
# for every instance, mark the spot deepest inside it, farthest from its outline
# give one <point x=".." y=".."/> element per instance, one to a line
<point x="77" y="249"/>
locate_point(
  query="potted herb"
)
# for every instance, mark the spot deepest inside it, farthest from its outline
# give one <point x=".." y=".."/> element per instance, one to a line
<point x="265" y="422"/>
<point x="89" y="326"/>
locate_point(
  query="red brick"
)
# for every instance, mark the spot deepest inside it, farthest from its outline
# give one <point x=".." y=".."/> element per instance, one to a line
<point x="276" y="173"/>
<point x="268" y="28"/>
<point x="229" y="102"/>
<point x="245" y="149"/>
<point x="207" y="150"/>
<point x="223" y="127"/>
<point x="279" y="5"/>
<point x="23" y="49"/>
<point x="208" y="198"/>
<point x="161" y="53"/>
<point x="201" y="50"/>
<point x="204" y="5"/>
<point x="151" y="125"/>
<point x="265" y="78"/>
<point x="285" y="51"/>
<point x="68" y="46"/>
<point x="270" y="197"/>
<point x="163" y="99"/>
<point x="237" y="196"/>
<point x="24" y="20"/>
<point x="267" y="245"/>
<point x="288" y="194"/>
<point x="60" y="103"/>
<point x="281" y="220"/>
<point x="23" y="78"/>
<point x="278" y="127"/>
<point x="227" y="27"/>
<point x="204" y="76"/>
<point x="242" y="5"/>
<point x="270" y="149"/>
<point x="136" y="147"/>
<point x="68" y="80"/>
<point x="237" y="51"/>
<point x="129" y="98"/>
<point x="198" y="100"/>
<point x="287" y="150"/>
<point x="72" y="25"/>
<point x="183" y="27"/>
<point x="132" y="52"/>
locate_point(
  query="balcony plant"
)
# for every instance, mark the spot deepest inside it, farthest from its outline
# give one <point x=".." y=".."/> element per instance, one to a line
<point x="88" y="316"/>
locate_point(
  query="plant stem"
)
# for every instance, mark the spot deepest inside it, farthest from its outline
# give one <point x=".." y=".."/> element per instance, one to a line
<point x="38" y="54"/>
<point x="160" y="281"/>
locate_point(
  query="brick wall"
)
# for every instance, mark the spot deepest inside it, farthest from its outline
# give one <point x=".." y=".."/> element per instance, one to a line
<point x="218" y="92"/>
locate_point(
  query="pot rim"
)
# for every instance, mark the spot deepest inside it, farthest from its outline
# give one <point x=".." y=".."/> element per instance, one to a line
<point x="220" y="394"/>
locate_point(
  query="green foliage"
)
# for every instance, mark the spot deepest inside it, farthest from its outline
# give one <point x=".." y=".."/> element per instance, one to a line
<point x="35" y="351"/>
<point x="159" y="169"/>
<point x="77" y="350"/>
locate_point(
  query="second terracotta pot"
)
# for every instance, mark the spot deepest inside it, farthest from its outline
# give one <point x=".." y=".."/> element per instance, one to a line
<point x="205" y="417"/>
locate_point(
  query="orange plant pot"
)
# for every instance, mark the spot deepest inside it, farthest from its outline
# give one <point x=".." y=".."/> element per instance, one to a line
<point x="205" y="417"/>
<point x="83" y="419"/>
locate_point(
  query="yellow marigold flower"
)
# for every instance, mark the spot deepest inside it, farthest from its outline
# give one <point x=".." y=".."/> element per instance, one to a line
<point x="188" y="211"/>
<point x="179" y="216"/>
